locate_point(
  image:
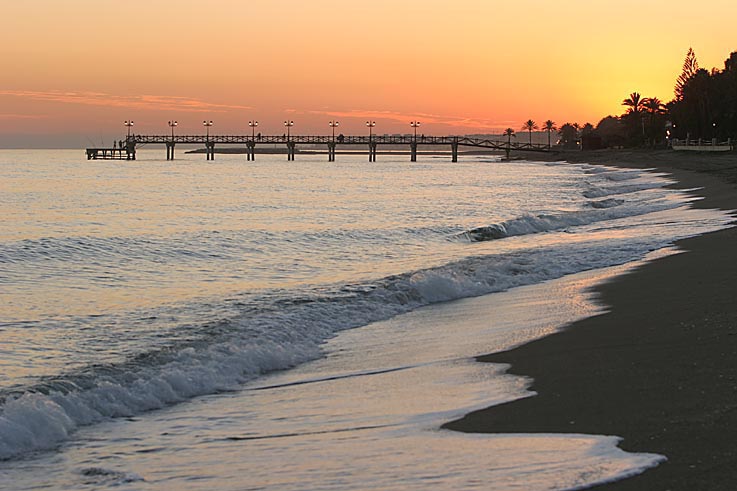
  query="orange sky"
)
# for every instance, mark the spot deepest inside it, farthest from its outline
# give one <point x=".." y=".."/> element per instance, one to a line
<point x="81" y="67"/>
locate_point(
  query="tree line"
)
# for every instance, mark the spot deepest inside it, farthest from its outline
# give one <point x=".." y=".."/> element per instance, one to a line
<point x="704" y="107"/>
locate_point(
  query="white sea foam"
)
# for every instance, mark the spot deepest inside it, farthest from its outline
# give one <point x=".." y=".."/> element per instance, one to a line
<point x="599" y="211"/>
<point x="595" y="191"/>
<point x="275" y="339"/>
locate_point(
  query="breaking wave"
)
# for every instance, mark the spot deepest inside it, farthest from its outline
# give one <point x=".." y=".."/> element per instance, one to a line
<point x="286" y="330"/>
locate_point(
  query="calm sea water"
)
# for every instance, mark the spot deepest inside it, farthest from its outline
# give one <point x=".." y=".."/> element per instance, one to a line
<point x="148" y="311"/>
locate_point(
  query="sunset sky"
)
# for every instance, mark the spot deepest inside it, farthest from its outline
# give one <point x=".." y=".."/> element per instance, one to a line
<point x="74" y="70"/>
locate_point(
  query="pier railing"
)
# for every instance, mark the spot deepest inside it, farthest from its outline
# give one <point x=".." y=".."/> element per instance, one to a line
<point x="702" y="145"/>
<point x="128" y="146"/>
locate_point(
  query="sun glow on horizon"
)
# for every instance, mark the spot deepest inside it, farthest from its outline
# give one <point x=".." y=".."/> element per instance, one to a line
<point x="82" y="67"/>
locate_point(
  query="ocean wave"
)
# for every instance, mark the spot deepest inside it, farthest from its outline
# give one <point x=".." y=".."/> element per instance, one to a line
<point x="606" y="203"/>
<point x="109" y="477"/>
<point x="594" y="191"/>
<point x="621" y="175"/>
<point x="287" y="329"/>
<point x="601" y="210"/>
<point x="207" y="246"/>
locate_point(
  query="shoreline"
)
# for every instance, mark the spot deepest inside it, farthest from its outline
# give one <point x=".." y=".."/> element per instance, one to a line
<point x="659" y="369"/>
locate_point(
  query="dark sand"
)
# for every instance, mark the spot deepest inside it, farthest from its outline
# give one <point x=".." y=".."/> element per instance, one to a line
<point x="660" y="369"/>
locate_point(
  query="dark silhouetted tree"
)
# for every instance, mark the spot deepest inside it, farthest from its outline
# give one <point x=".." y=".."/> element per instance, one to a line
<point x="612" y="132"/>
<point x="529" y="126"/>
<point x="569" y="135"/>
<point x="509" y="133"/>
<point x="549" y="126"/>
<point x="656" y="111"/>
<point x="690" y="67"/>
<point x="634" y="103"/>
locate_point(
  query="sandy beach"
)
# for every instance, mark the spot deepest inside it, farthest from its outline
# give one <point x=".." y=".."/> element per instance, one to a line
<point x="659" y="368"/>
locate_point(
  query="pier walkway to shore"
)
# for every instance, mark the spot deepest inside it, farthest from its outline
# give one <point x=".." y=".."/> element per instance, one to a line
<point x="127" y="151"/>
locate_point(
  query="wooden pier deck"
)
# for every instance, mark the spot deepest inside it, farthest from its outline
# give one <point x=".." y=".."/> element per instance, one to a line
<point x="99" y="153"/>
<point x="372" y="142"/>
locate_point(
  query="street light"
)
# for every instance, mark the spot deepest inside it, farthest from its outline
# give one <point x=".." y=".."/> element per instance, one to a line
<point x="370" y="125"/>
<point x="207" y="125"/>
<point x="288" y="124"/>
<point x="128" y="124"/>
<point x="415" y="125"/>
<point x="172" y="124"/>
<point x="333" y="124"/>
<point x="253" y="125"/>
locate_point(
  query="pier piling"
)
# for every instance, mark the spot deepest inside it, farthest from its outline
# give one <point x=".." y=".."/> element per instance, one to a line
<point x="372" y="151"/>
<point x="170" y="151"/>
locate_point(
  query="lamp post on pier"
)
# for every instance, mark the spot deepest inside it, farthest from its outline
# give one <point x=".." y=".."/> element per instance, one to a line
<point x="290" y="146"/>
<point x="413" y="145"/>
<point x="415" y="125"/>
<point x="371" y="145"/>
<point x="253" y="125"/>
<point x="331" y="145"/>
<point x="207" y="125"/>
<point x="170" y="145"/>
<point x="370" y="125"/>
<point x="209" y="147"/>
<point x="130" y="147"/>
<point x="333" y="124"/>
<point x="128" y="124"/>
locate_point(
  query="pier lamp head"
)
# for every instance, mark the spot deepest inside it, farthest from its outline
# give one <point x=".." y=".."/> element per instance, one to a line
<point x="333" y="124"/>
<point x="370" y="124"/>
<point x="288" y="123"/>
<point x="128" y="123"/>
<point x="253" y="123"/>
<point x="415" y="124"/>
<point x="207" y="123"/>
<point x="173" y="123"/>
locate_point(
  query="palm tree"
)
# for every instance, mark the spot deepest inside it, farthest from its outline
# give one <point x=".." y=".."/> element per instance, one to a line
<point x="549" y="126"/>
<point x="634" y="102"/>
<point x="509" y="132"/>
<point x="569" y="135"/>
<point x="654" y="108"/>
<point x="577" y="127"/>
<point x="529" y="126"/>
<point x="653" y="105"/>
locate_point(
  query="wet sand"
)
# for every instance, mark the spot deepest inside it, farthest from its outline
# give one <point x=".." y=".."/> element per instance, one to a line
<point x="660" y="368"/>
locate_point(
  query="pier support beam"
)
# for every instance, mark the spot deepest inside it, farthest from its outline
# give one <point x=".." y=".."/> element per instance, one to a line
<point x="454" y="151"/>
<point x="290" y="150"/>
<point x="372" y="151"/>
<point x="331" y="152"/>
<point x="130" y="149"/>
<point x="251" y="151"/>
<point x="170" y="151"/>
<point x="210" y="150"/>
<point x="413" y="152"/>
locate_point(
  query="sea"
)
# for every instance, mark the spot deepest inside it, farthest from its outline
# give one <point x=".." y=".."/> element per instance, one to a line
<point x="305" y="325"/>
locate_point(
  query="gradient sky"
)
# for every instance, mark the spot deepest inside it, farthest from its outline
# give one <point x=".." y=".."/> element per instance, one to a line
<point x="73" y="70"/>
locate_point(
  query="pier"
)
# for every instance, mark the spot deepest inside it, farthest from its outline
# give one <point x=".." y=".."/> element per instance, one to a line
<point x="249" y="142"/>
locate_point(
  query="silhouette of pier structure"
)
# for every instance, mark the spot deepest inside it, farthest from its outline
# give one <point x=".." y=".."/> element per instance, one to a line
<point x="127" y="150"/>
